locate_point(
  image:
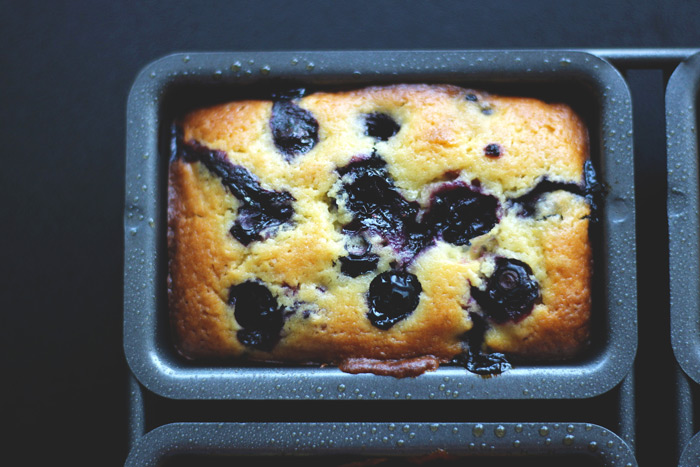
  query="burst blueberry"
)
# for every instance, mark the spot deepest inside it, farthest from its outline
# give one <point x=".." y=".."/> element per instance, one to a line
<point x="380" y="126"/>
<point x="294" y="130"/>
<point x="257" y="311"/>
<point x="374" y="201"/>
<point x="360" y="260"/>
<point x="457" y="213"/>
<point x="475" y="358"/>
<point x="528" y="201"/>
<point x="260" y="211"/>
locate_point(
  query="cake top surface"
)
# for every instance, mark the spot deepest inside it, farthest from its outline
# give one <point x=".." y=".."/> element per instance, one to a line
<point x="381" y="223"/>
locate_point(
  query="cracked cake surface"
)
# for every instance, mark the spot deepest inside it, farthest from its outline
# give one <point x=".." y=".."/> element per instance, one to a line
<point x="381" y="225"/>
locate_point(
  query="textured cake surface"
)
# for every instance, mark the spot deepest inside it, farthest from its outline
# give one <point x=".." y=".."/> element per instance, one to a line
<point x="400" y="223"/>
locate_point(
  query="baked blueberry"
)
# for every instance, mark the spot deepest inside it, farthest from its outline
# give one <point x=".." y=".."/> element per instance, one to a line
<point x="256" y="310"/>
<point x="374" y="201"/>
<point x="528" y="201"/>
<point x="288" y="94"/>
<point x="360" y="259"/>
<point x="354" y="266"/>
<point x="256" y="339"/>
<point x="475" y="359"/>
<point x="482" y="363"/>
<point x="393" y="295"/>
<point x="294" y="130"/>
<point x="380" y="126"/>
<point x="456" y="213"/>
<point x="492" y="150"/>
<point x="510" y="293"/>
<point x="593" y="189"/>
<point x="260" y="210"/>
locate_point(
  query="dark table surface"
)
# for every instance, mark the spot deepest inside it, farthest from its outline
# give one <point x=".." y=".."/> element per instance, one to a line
<point x="65" y="73"/>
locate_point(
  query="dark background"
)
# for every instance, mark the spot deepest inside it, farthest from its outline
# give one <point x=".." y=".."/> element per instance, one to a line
<point x="65" y="73"/>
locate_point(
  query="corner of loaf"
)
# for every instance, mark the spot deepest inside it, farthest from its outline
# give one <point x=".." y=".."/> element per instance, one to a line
<point x="386" y="229"/>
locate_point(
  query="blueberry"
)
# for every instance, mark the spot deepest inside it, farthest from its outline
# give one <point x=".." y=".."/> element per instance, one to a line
<point x="360" y="259"/>
<point x="254" y="220"/>
<point x="484" y="364"/>
<point x="380" y="126"/>
<point x="260" y="210"/>
<point x="457" y="213"/>
<point x="492" y="150"/>
<point x="450" y="175"/>
<point x="289" y="94"/>
<point x="256" y="310"/>
<point x="393" y="295"/>
<point x="260" y="340"/>
<point x="354" y="266"/>
<point x="528" y="201"/>
<point x="475" y="359"/>
<point x="374" y="201"/>
<point x="471" y="97"/>
<point x="510" y="293"/>
<point x="593" y="189"/>
<point x="294" y="130"/>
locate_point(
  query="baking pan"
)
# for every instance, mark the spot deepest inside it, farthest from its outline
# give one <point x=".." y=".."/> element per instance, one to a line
<point x="687" y="446"/>
<point x="690" y="457"/>
<point x="280" y="444"/>
<point x="683" y="216"/>
<point x="181" y="81"/>
<point x="683" y="223"/>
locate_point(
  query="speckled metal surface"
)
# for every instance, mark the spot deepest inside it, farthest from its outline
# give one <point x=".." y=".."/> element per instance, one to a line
<point x="150" y="354"/>
<point x="683" y="214"/>
<point x="389" y="440"/>
<point x="690" y="457"/>
<point x="684" y="250"/>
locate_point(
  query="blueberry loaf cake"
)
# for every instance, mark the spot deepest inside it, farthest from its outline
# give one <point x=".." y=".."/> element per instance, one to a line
<point x="387" y="230"/>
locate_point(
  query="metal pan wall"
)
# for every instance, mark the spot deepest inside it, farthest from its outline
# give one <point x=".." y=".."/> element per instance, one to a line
<point x="339" y="443"/>
<point x="331" y="444"/>
<point x="684" y="250"/>
<point x="178" y="82"/>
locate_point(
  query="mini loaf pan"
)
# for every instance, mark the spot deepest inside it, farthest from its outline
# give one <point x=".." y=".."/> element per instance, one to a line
<point x="688" y="443"/>
<point x="683" y="214"/>
<point x="176" y="83"/>
<point x="341" y="444"/>
<point x="690" y="456"/>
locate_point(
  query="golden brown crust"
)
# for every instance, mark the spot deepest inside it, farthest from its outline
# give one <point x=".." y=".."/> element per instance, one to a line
<point x="559" y="326"/>
<point x="441" y="132"/>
